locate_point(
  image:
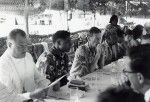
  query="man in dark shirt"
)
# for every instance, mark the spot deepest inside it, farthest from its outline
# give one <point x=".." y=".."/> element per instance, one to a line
<point x="56" y="63"/>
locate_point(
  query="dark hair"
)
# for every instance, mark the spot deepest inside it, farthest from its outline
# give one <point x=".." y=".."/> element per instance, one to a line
<point x="137" y="31"/>
<point x="13" y="34"/>
<point x="128" y="32"/>
<point x="93" y="30"/>
<point x="120" y="95"/>
<point x="62" y="34"/>
<point x="140" y="59"/>
<point x="113" y="17"/>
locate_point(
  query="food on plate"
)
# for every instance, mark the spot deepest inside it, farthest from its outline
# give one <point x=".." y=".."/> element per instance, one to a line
<point x="81" y="85"/>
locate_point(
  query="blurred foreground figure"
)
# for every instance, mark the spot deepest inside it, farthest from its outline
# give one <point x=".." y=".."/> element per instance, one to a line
<point x="146" y="38"/>
<point x="55" y="64"/>
<point x="137" y="74"/>
<point x="120" y="95"/>
<point x="18" y="74"/>
<point x="88" y="57"/>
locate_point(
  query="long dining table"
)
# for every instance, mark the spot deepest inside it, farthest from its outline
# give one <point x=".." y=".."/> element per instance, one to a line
<point x="98" y="81"/>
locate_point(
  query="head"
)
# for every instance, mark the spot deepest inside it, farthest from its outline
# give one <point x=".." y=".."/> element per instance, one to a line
<point x="62" y="41"/>
<point x="147" y="27"/>
<point x="114" y="20"/>
<point x="17" y="42"/>
<point x="128" y="35"/>
<point x="94" y="36"/>
<point x="120" y="95"/>
<point x="137" y="32"/>
<point x="139" y="67"/>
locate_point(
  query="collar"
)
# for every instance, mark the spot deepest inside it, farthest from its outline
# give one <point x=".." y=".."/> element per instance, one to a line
<point x="91" y="50"/>
<point x="57" y="52"/>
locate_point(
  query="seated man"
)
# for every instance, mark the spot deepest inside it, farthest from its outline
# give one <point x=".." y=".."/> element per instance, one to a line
<point x="137" y="74"/>
<point x="120" y="95"/>
<point x="87" y="56"/>
<point x="55" y="64"/>
<point x="18" y="75"/>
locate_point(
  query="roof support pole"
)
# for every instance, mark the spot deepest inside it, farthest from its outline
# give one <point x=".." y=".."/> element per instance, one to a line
<point x="26" y="15"/>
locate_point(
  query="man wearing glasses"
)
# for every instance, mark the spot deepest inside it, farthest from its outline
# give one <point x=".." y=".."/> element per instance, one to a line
<point x="19" y="78"/>
<point x="137" y="74"/>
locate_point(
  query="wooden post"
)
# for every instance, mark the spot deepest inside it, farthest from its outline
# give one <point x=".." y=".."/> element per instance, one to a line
<point x="26" y="15"/>
<point x="66" y="5"/>
<point x="94" y="18"/>
<point x="126" y="8"/>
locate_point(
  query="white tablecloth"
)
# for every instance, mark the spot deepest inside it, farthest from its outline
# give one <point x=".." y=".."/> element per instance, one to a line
<point x="98" y="82"/>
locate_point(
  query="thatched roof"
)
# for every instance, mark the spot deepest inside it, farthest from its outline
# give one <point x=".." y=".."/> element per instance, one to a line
<point x="18" y="6"/>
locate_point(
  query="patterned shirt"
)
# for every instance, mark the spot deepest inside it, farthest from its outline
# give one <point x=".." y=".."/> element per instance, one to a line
<point x="84" y="58"/>
<point x="55" y="65"/>
<point x="113" y="34"/>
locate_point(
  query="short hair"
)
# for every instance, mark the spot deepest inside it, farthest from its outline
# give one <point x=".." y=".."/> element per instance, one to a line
<point x="62" y="34"/>
<point x="140" y="59"/>
<point x="113" y="17"/>
<point x="93" y="30"/>
<point x="120" y="95"/>
<point x="128" y="32"/>
<point x="137" y="31"/>
<point x="14" y="33"/>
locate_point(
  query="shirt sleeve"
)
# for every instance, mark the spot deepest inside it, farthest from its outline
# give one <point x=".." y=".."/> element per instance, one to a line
<point x="79" y="66"/>
<point x="7" y="95"/>
<point x="40" y="80"/>
<point x="101" y="61"/>
<point x="41" y="63"/>
<point x="7" y="91"/>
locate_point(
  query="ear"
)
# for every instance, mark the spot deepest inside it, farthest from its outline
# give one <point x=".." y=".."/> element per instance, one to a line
<point x="9" y="44"/>
<point x="140" y="78"/>
<point x="58" y="42"/>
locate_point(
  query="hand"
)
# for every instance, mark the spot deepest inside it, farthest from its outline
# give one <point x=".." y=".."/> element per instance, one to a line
<point x="39" y="94"/>
<point x="98" y="50"/>
<point x="56" y="87"/>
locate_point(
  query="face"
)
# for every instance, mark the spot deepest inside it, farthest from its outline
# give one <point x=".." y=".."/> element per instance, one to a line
<point x="114" y="22"/>
<point x="65" y="45"/>
<point x="19" y="46"/>
<point x="134" y="78"/>
<point x="95" y="39"/>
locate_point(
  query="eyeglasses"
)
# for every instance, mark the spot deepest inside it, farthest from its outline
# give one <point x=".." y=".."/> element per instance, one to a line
<point x="130" y="72"/>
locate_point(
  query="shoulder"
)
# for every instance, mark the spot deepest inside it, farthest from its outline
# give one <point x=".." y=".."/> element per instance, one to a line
<point x="81" y="49"/>
<point x="50" y="55"/>
<point x="4" y="59"/>
<point x="5" y="66"/>
<point x="50" y="58"/>
<point x="109" y="25"/>
<point x="66" y="55"/>
<point x="28" y="55"/>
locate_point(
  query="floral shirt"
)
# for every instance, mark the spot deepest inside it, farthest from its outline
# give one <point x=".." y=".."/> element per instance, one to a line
<point x="84" y="57"/>
<point x="55" y="65"/>
<point x="113" y="34"/>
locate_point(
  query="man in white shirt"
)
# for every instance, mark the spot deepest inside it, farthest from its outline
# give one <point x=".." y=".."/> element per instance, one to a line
<point x="137" y="74"/>
<point x="18" y="74"/>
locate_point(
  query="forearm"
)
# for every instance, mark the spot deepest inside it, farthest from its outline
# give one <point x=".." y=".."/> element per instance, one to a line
<point x="94" y="65"/>
<point x="7" y="96"/>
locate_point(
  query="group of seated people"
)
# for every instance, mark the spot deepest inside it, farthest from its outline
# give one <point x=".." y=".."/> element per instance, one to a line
<point x="21" y="79"/>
